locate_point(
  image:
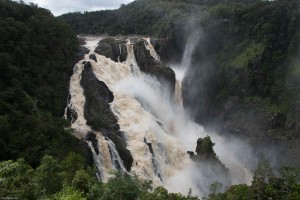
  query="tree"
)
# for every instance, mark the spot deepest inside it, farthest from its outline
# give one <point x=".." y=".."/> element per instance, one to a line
<point x="48" y="180"/>
<point x="68" y="193"/>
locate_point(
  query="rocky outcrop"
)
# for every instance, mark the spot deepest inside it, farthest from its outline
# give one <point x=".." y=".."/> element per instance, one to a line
<point x="90" y="136"/>
<point x="161" y="47"/>
<point x="170" y="49"/>
<point x="71" y="115"/>
<point x="204" y="151"/>
<point x="208" y="162"/>
<point x="81" y="52"/>
<point x="93" y="57"/>
<point x="98" y="114"/>
<point x="149" y="65"/>
<point x="113" y="49"/>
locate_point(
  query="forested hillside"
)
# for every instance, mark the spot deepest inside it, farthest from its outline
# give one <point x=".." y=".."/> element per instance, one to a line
<point x="246" y="67"/>
<point x="37" y="52"/>
<point x="142" y="17"/>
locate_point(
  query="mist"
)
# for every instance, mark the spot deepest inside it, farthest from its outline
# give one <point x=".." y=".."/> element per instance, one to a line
<point x="175" y="123"/>
<point x="159" y="132"/>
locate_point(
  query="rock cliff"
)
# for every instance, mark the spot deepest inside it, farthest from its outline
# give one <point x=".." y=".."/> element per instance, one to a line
<point x="149" y="65"/>
<point x="113" y="49"/>
<point x="99" y="115"/>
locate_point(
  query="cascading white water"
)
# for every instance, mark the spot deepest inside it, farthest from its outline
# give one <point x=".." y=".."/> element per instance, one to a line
<point x="158" y="132"/>
<point x="103" y="160"/>
<point x="151" y="49"/>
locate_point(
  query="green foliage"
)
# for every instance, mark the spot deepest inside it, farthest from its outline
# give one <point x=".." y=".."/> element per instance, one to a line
<point x="265" y="185"/>
<point x="48" y="180"/>
<point x="37" y="52"/>
<point x="15" y="179"/>
<point x="67" y="193"/>
<point x="51" y="181"/>
<point x="161" y="193"/>
<point x="216" y="188"/>
<point x="141" y="17"/>
<point x="251" y="52"/>
<point x="247" y="51"/>
<point x="121" y="186"/>
<point x="207" y="145"/>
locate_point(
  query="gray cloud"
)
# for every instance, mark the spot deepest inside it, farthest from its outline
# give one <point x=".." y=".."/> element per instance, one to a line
<point x="58" y="7"/>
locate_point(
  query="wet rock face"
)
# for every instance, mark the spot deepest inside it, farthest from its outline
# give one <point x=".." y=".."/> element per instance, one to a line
<point x="149" y="65"/>
<point x="93" y="57"/>
<point x="98" y="113"/>
<point x="92" y="138"/>
<point x="113" y="49"/>
<point x="71" y="115"/>
<point x="206" y="159"/>
<point x="170" y="48"/>
<point x="81" y="52"/>
<point x="160" y="46"/>
<point x="95" y="88"/>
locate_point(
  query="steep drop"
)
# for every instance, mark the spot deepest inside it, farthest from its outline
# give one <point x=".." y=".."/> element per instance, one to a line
<point x="156" y="130"/>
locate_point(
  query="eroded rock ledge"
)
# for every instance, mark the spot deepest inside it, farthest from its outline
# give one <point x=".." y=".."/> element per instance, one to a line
<point x="149" y="65"/>
<point x="113" y="49"/>
<point x="98" y="114"/>
<point x="207" y="160"/>
<point x="116" y="50"/>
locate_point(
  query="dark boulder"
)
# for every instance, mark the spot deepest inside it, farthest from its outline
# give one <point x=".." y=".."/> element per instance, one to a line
<point x="81" y="52"/>
<point x="86" y="151"/>
<point x="93" y="57"/>
<point x="98" y="113"/>
<point x="113" y="49"/>
<point x="71" y="115"/>
<point x="149" y="65"/>
<point x="149" y="144"/>
<point x="90" y="136"/>
<point x="95" y="88"/>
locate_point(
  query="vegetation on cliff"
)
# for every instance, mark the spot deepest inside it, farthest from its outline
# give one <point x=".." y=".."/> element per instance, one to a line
<point x="244" y="75"/>
<point x="37" y="53"/>
<point x="71" y="179"/>
<point x="143" y="17"/>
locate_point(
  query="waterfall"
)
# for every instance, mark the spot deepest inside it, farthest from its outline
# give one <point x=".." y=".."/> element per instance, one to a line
<point x="158" y="133"/>
<point x="104" y="160"/>
<point x="116" y="160"/>
<point x="189" y="49"/>
<point x="150" y="48"/>
<point x="185" y="63"/>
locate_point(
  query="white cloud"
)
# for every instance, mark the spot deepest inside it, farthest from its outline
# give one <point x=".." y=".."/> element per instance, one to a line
<point x="58" y="7"/>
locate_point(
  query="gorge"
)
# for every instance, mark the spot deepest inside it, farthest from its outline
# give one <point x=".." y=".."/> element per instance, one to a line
<point x="156" y="100"/>
<point x="149" y="118"/>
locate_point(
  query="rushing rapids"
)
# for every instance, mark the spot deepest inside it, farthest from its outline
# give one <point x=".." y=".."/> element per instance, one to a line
<point x="157" y="131"/>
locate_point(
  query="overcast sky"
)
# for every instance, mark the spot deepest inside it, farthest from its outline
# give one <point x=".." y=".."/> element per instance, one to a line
<point x="58" y="7"/>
